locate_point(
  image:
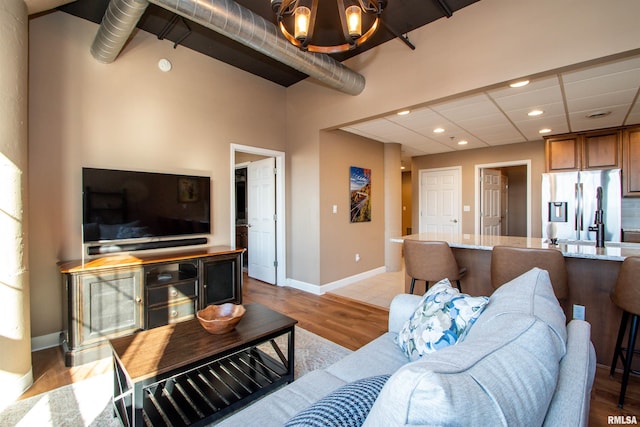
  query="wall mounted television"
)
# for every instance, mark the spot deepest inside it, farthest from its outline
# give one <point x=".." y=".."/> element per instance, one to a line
<point x="120" y="205"/>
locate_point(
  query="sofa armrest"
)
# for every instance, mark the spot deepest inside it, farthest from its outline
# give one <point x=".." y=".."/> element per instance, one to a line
<point x="571" y="400"/>
<point x="401" y="309"/>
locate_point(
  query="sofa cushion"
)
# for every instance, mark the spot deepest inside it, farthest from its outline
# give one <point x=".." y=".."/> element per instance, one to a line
<point x="530" y="294"/>
<point x="504" y="372"/>
<point x="347" y="406"/>
<point x="378" y="357"/>
<point x="443" y="318"/>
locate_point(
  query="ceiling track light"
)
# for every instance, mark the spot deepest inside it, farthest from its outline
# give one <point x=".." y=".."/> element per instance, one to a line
<point x="297" y="22"/>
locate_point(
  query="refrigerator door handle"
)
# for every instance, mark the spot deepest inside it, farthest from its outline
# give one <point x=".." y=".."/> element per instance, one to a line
<point x="577" y="205"/>
<point x="579" y="208"/>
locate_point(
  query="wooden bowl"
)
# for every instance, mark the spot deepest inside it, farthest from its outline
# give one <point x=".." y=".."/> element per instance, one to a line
<point x="220" y="319"/>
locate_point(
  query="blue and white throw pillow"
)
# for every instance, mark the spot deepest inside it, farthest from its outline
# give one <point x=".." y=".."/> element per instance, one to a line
<point x="347" y="406"/>
<point x="443" y="318"/>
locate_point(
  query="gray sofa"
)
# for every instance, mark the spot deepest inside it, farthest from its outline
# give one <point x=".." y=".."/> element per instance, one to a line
<point x="520" y="364"/>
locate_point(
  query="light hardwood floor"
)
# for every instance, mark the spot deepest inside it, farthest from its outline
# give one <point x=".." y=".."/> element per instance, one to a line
<point x="343" y="320"/>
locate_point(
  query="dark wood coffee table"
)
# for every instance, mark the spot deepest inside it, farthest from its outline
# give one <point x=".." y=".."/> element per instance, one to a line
<point x="180" y="374"/>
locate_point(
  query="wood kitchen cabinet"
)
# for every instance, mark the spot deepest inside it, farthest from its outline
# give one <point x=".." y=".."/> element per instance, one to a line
<point x="583" y="151"/>
<point x="631" y="159"/>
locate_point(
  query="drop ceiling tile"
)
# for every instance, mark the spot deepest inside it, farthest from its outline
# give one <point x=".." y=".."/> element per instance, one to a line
<point x="467" y="108"/>
<point x="549" y="110"/>
<point x="531" y="128"/>
<point x="534" y="95"/>
<point x="608" y="69"/>
<point x="634" y="115"/>
<point x="633" y="119"/>
<point x="614" y="83"/>
<point x="603" y="101"/>
<point x="498" y="135"/>
<point x="579" y="121"/>
<point x="490" y="120"/>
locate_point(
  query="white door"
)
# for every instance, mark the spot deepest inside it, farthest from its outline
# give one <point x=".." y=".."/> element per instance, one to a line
<point x="440" y="201"/>
<point x="490" y="201"/>
<point x="261" y="213"/>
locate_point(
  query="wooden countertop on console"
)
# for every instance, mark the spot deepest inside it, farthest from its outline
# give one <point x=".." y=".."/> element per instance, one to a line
<point x="124" y="260"/>
<point x="613" y="251"/>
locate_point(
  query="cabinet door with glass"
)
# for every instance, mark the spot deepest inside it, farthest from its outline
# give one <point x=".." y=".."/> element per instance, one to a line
<point x="111" y="304"/>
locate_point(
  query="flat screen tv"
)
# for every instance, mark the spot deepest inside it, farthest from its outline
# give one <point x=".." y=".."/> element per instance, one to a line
<point x="121" y="205"/>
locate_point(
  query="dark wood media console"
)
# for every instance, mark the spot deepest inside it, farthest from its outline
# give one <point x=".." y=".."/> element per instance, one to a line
<point x="117" y="295"/>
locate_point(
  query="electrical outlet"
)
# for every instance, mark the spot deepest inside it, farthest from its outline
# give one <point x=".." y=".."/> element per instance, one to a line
<point x="578" y="311"/>
<point x="357" y="257"/>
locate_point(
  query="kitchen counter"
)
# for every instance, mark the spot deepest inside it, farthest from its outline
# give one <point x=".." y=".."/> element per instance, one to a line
<point x="613" y="251"/>
<point x="591" y="273"/>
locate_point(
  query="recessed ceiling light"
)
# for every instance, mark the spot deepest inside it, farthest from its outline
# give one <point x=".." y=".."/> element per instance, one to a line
<point x="534" y="113"/>
<point x="597" y="114"/>
<point x="519" y="83"/>
<point x="463" y="142"/>
<point x="545" y="130"/>
<point x="404" y="112"/>
<point x="438" y="130"/>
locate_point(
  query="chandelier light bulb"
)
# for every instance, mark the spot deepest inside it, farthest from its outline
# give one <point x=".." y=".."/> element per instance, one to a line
<point x="354" y="21"/>
<point x="302" y="17"/>
<point x="297" y="22"/>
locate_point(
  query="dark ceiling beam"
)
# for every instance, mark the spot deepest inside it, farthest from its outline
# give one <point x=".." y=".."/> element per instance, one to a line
<point x="445" y="7"/>
<point x="402" y="37"/>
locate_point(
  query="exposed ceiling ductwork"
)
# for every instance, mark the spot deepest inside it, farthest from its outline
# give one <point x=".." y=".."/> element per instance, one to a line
<point x="231" y="20"/>
<point x="118" y="23"/>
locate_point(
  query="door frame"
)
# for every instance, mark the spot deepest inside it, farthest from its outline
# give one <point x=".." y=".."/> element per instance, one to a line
<point x="421" y="172"/>
<point x="526" y="163"/>
<point x="281" y="242"/>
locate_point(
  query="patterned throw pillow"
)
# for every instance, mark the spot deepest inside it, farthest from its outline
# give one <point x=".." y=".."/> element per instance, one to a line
<point x="347" y="406"/>
<point x="443" y="317"/>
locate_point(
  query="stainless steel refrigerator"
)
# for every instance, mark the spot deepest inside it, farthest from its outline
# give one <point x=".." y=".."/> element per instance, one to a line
<point x="569" y="204"/>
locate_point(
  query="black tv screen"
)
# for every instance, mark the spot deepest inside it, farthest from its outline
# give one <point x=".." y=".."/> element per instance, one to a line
<point x="123" y="205"/>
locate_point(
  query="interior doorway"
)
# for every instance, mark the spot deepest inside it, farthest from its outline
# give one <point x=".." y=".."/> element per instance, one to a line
<point x="266" y="245"/>
<point x="503" y="197"/>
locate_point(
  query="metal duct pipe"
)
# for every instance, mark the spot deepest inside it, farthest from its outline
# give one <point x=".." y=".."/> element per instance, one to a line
<point x="242" y="25"/>
<point x="119" y="20"/>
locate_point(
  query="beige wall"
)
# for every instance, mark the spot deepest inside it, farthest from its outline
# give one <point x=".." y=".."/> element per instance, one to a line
<point x="485" y="44"/>
<point x="340" y="239"/>
<point x="468" y="159"/>
<point x="128" y="115"/>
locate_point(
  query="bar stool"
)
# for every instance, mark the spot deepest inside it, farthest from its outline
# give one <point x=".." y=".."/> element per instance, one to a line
<point x="626" y="295"/>
<point x="509" y="262"/>
<point x="431" y="261"/>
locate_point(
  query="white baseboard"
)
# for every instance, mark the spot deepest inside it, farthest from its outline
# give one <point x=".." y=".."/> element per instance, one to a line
<point x="321" y="289"/>
<point x="45" y="341"/>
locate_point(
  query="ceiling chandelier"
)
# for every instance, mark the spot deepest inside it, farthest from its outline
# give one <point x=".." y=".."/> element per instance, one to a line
<point x="300" y="19"/>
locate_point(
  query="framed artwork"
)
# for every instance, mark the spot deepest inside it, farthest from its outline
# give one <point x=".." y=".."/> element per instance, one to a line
<point x="188" y="190"/>
<point x="360" y="188"/>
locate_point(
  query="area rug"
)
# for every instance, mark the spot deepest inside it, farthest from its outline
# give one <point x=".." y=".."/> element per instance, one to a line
<point x="88" y="403"/>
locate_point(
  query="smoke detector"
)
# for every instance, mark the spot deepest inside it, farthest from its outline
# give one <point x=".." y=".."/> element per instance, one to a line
<point x="164" y="65"/>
